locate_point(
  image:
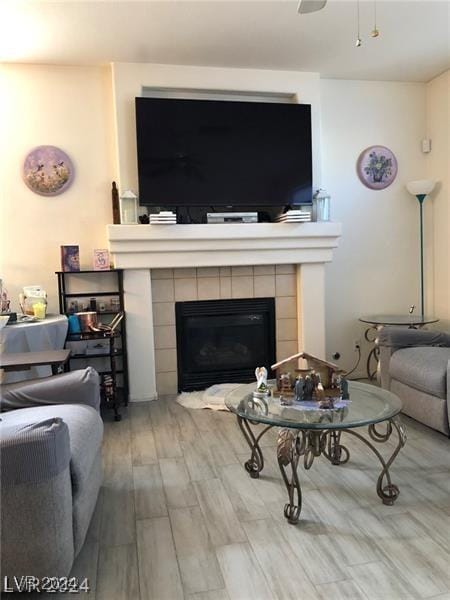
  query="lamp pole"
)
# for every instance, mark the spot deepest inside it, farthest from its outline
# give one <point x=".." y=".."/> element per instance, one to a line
<point x="421" y="198"/>
<point x="420" y="189"/>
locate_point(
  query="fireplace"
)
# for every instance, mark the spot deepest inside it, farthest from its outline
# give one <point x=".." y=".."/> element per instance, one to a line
<point x="221" y="341"/>
<point x="285" y="261"/>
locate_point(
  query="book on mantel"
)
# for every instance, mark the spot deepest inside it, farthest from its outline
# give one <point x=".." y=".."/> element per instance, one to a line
<point x="165" y="217"/>
<point x="294" y="216"/>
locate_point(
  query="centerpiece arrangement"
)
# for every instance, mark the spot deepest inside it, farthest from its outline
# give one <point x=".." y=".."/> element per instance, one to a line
<point x="318" y="380"/>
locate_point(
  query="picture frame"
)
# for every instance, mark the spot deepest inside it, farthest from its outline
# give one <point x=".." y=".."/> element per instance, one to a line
<point x="101" y="259"/>
<point x="377" y="167"/>
<point x="70" y="259"/>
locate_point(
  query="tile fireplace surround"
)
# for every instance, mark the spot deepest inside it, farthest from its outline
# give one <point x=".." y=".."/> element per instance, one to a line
<point x="165" y="264"/>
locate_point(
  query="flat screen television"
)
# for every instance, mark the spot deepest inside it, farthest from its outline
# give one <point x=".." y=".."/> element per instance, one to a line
<point x="213" y="153"/>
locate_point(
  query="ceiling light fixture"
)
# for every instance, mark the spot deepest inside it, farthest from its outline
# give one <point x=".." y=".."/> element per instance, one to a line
<point x="358" y="38"/>
<point x="375" y="33"/>
<point x="308" y="6"/>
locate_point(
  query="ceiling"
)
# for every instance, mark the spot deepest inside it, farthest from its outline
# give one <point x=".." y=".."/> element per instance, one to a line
<point x="413" y="44"/>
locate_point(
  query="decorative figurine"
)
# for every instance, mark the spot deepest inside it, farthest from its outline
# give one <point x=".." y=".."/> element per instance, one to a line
<point x="327" y="402"/>
<point x="298" y="388"/>
<point x="319" y="392"/>
<point x="285" y="401"/>
<point x="308" y="389"/>
<point x="115" y="204"/>
<point x="344" y="389"/>
<point x="335" y="381"/>
<point x="285" y="384"/>
<point x="323" y="401"/>
<point x="315" y="377"/>
<point x="325" y="398"/>
<point x="261" y="379"/>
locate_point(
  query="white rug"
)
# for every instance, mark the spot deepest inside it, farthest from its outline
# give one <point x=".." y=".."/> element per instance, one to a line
<point x="213" y="397"/>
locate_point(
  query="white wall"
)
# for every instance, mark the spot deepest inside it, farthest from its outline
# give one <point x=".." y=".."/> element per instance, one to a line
<point x="438" y="205"/>
<point x="376" y="268"/>
<point x="69" y="107"/>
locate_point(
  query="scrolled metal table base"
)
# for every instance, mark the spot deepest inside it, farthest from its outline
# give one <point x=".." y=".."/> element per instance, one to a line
<point x="288" y="454"/>
<point x="374" y="354"/>
<point x="255" y="464"/>
<point x="312" y="443"/>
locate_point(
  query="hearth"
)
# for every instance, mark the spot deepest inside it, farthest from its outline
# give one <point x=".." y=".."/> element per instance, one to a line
<point x="222" y="341"/>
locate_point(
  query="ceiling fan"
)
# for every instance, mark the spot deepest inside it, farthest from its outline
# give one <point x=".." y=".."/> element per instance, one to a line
<point x="309" y="6"/>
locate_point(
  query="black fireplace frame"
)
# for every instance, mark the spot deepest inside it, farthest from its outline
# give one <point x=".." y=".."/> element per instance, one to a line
<point x="199" y="381"/>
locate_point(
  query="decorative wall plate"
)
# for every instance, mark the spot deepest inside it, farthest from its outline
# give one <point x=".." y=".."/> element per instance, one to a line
<point x="377" y="167"/>
<point x="48" y="171"/>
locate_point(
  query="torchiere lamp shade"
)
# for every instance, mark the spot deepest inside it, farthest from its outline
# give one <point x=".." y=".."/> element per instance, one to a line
<point x="421" y="187"/>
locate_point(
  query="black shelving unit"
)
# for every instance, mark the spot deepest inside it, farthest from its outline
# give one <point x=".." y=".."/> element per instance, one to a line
<point x="114" y="379"/>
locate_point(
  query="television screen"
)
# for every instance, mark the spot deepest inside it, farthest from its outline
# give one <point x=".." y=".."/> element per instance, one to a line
<point x="223" y="153"/>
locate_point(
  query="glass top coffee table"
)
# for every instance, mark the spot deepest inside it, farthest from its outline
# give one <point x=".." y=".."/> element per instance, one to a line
<point x="308" y="432"/>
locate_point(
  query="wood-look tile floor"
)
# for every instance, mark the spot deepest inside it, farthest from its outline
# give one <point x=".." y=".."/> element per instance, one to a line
<point x="179" y="518"/>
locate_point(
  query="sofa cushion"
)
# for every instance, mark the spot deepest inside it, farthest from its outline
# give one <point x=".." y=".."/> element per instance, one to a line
<point x="422" y="368"/>
<point x="402" y="337"/>
<point x="85" y="433"/>
<point x="76" y="387"/>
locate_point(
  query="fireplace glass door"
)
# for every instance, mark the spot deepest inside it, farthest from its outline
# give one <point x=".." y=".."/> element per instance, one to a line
<point x="221" y="341"/>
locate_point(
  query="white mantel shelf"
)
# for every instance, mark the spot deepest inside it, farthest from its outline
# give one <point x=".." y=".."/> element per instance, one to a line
<point x="168" y="246"/>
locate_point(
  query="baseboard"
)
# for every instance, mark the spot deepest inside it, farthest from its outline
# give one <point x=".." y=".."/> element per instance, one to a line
<point x="143" y="399"/>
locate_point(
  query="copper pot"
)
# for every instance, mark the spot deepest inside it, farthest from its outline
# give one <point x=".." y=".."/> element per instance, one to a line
<point x="88" y="320"/>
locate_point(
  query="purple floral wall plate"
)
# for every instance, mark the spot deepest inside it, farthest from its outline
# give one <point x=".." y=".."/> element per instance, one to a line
<point x="48" y="171"/>
<point x="377" y="167"/>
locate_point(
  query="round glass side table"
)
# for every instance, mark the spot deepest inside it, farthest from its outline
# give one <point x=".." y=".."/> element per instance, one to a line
<point x="376" y="322"/>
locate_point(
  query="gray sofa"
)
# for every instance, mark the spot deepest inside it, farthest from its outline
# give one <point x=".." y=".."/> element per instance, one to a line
<point x="50" y="444"/>
<point x="415" y="365"/>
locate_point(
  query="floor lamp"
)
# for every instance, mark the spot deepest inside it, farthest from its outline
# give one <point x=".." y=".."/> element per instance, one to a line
<point x="420" y="189"/>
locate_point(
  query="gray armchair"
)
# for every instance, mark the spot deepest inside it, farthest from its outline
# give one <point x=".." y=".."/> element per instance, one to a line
<point x="50" y="444"/>
<point x="415" y="365"/>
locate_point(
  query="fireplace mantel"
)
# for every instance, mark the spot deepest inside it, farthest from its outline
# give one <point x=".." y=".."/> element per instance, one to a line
<point x="167" y="246"/>
<point x="141" y="248"/>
